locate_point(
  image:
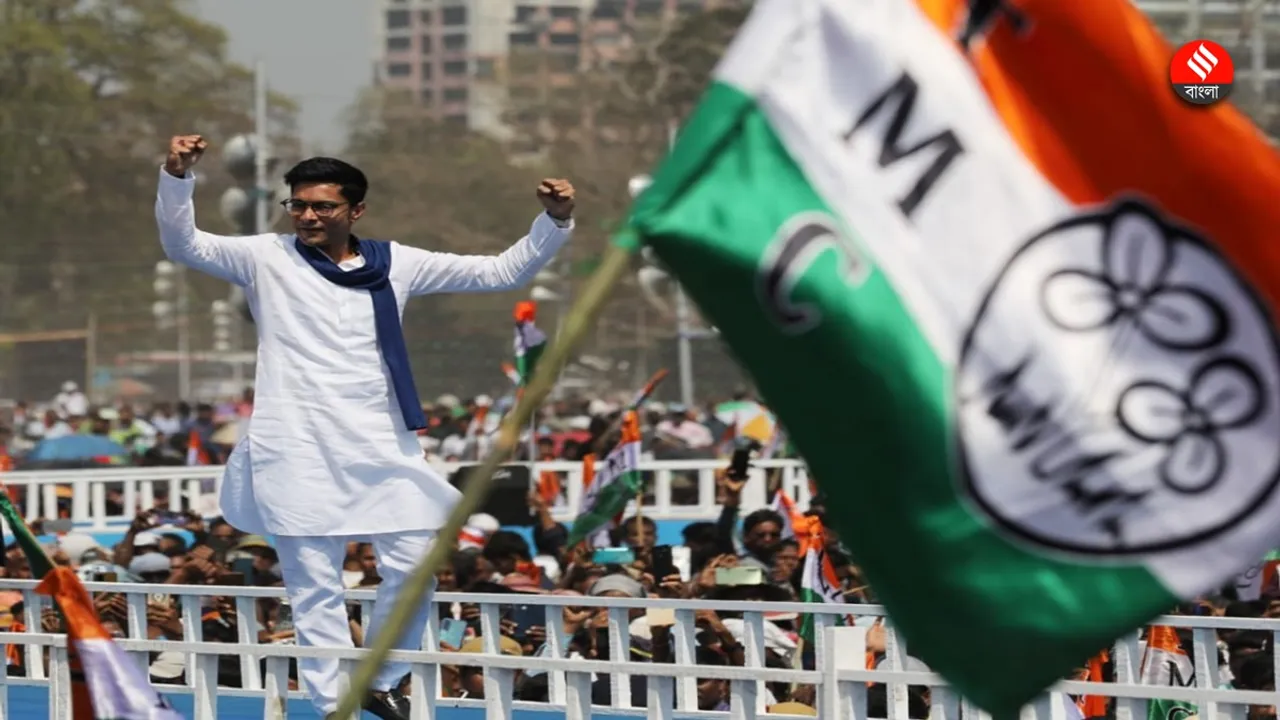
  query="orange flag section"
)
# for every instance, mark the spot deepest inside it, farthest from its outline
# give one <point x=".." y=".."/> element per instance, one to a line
<point x="77" y="607"/>
<point x="1094" y="706"/>
<point x="1104" y="121"/>
<point x="112" y="686"/>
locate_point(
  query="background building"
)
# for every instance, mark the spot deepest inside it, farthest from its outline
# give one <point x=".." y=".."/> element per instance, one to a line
<point x="509" y="68"/>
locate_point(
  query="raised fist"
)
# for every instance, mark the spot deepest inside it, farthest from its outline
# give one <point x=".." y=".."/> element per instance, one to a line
<point x="184" y="153"/>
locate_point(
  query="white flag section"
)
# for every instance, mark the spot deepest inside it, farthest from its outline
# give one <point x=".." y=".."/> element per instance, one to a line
<point x="611" y="484"/>
<point x="118" y="690"/>
<point x="624" y="459"/>
<point x="786" y="509"/>
<point x="819" y="582"/>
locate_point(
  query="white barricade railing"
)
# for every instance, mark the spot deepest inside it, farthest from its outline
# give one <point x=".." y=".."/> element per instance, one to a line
<point x="680" y="489"/>
<point x="840" y="685"/>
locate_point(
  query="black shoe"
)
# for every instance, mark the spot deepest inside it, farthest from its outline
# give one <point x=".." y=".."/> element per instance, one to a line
<point x="389" y="705"/>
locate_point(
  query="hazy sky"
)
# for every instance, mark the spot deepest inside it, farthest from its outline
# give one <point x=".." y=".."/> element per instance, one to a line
<point x="288" y="35"/>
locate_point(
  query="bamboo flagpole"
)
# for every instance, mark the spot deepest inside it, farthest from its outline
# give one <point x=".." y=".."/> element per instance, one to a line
<point x="479" y="481"/>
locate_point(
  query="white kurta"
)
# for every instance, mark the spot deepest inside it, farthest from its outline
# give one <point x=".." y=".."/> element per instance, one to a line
<point x="327" y="452"/>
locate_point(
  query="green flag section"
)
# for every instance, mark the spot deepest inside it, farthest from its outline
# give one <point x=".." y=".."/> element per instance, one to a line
<point x="610" y="485"/>
<point x="529" y="340"/>
<point x="31" y="548"/>
<point x="1045" y="408"/>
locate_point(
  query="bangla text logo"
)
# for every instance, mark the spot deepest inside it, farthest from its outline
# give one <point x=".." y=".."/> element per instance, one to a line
<point x="1201" y="72"/>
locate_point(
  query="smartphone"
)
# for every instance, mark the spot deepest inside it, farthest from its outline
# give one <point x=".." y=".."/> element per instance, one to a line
<point x="106" y="577"/>
<point x="243" y="566"/>
<point x="740" y="463"/>
<point x="160" y="599"/>
<point x="527" y="616"/>
<point x="284" y="617"/>
<point x="452" y="631"/>
<point x="231" y="578"/>
<point x="729" y="577"/>
<point x="663" y="565"/>
<point x="60" y="525"/>
<point x="613" y="556"/>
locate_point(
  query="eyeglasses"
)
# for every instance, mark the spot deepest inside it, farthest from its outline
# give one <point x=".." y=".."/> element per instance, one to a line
<point x="322" y="208"/>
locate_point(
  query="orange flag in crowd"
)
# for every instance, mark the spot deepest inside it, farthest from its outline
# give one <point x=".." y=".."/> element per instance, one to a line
<point x="114" y="686"/>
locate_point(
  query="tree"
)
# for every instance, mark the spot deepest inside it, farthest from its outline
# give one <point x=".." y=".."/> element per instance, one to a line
<point x="89" y="94"/>
<point x="630" y="109"/>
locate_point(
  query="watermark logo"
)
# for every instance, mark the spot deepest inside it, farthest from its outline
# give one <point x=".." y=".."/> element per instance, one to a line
<point x="1201" y="72"/>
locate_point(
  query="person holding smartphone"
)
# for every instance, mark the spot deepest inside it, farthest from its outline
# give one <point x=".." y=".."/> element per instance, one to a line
<point x="332" y="452"/>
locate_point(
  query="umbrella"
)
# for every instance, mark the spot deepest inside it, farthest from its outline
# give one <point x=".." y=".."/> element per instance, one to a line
<point x="748" y="418"/>
<point x="75" y="447"/>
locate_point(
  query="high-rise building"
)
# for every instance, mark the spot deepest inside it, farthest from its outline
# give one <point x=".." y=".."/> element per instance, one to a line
<point x="445" y="52"/>
<point x="508" y="67"/>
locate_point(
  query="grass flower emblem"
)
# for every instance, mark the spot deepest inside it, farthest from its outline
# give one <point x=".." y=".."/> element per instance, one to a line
<point x="1224" y="394"/>
<point x="1135" y="285"/>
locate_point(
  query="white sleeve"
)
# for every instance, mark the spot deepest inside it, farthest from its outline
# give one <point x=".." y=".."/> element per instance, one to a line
<point x="223" y="257"/>
<point x="434" y="272"/>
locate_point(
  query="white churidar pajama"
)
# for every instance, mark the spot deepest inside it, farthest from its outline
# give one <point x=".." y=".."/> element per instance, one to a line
<point x="327" y="457"/>
<point x="312" y="566"/>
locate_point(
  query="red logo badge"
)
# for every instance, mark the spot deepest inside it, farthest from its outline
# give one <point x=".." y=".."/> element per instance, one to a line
<point x="1201" y="72"/>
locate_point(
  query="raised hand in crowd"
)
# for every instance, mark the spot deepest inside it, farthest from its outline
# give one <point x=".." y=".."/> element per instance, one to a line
<point x="706" y="580"/>
<point x="51" y="621"/>
<point x="112" y="606"/>
<point x="674" y="587"/>
<point x="193" y="523"/>
<point x="576" y="618"/>
<point x="729" y="488"/>
<point x="163" y="619"/>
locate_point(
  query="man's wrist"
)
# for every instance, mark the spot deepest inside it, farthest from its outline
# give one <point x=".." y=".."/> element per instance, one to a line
<point x="561" y="221"/>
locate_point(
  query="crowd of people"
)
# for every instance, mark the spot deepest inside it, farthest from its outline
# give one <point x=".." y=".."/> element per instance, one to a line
<point x="166" y="545"/>
<point x="460" y="430"/>
<point x="172" y="545"/>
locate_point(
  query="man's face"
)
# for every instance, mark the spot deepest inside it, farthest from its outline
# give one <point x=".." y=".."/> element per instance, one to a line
<point x="785" y="562"/>
<point x="126" y="416"/>
<point x="368" y="561"/>
<point x="16" y="567"/>
<point x="763" y="538"/>
<point x="446" y="580"/>
<point x="640" y="535"/>
<point x="711" y="692"/>
<point x="321" y="214"/>
<point x="506" y="565"/>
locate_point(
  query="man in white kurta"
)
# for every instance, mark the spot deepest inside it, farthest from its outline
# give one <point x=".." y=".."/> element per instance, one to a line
<point x="328" y="457"/>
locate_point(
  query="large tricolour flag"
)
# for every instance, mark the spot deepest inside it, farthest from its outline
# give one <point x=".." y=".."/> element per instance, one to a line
<point x="118" y="689"/>
<point x="1166" y="664"/>
<point x="611" y="484"/>
<point x="1034" y="290"/>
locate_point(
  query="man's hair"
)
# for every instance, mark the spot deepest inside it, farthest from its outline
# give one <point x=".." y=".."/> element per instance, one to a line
<point x="763" y="515"/>
<point x="505" y="544"/>
<point x="330" y="171"/>
<point x="630" y="523"/>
